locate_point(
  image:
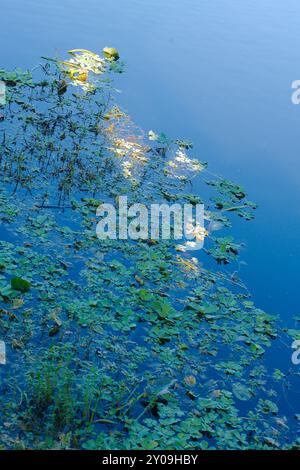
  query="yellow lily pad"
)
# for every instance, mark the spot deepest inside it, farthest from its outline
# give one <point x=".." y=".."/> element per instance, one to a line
<point x="111" y="53"/>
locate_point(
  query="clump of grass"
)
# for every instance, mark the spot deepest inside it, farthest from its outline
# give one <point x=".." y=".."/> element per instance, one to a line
<point x="62" y="393"/>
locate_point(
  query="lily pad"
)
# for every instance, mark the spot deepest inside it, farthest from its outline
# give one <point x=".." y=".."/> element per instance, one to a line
<point x="111" y="53"/>
<point x="241" y="392"/>
<point x="19" y="284"/>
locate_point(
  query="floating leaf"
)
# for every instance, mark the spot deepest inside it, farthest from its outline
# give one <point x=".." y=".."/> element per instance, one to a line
<point x="62" y="87"/>
<point x="111" y="53"/>
<point x="53" y="331"/>
<point x="153" y="136"/>
<point x="20" y="284"/>
<point x="17" y="303"/>
<point x="190" y="380"/>
<point x="242" y="392"/>
<point x="54" y="316"/>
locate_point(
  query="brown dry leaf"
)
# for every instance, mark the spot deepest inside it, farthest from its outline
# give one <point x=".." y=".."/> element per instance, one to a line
<point x="190" y="380"/>
<point x="139" y="280"/>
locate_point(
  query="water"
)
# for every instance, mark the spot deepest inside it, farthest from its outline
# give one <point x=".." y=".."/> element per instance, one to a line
<point x="215" y="73"/>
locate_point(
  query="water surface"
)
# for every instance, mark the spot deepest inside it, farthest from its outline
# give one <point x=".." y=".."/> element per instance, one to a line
<point x="217" y="73"/>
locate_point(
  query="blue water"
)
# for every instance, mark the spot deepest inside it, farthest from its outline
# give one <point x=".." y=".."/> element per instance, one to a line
<point x="216" y="72"/>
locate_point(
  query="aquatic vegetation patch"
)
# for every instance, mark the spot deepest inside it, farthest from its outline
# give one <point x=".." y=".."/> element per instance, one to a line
<point x="120" y="344"/>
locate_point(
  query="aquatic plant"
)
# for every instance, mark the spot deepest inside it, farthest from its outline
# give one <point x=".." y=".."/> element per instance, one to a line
<point x="120" y="344"/>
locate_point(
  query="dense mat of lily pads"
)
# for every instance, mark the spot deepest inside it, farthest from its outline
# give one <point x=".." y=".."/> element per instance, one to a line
<point x="120" y="344"/>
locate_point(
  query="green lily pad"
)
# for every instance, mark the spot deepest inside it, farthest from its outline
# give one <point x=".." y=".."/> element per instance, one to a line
<point x="19" y="284"/>
<point x="241" y="392"/>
